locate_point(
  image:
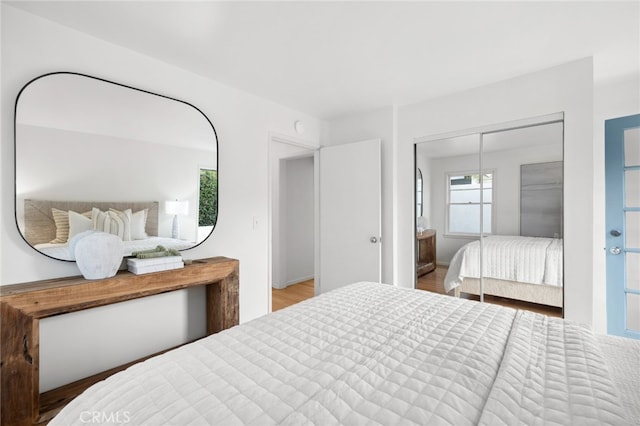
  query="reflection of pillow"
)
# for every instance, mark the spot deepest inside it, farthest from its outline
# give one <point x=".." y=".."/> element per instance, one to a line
<point x="79" y="223"/>
<point x="112" y="222"/>
<point x="61" y="218"/>
<point x="125" y="217"/>
<point x="139" y="224"/>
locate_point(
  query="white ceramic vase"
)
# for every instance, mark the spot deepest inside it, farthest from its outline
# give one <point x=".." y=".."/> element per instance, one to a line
<point x="99" y="255"/>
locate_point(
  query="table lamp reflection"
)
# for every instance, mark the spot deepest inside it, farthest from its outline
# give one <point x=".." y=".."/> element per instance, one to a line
<point x="176" y="208"/>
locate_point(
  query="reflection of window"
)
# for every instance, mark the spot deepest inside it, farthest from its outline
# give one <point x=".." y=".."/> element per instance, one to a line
<point x="208" y="197"/>
<point x="465" y="194"/>
<point x="418" y="193"/>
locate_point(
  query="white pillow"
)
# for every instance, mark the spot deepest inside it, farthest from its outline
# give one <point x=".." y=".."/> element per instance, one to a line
<point x="100" y="220"/>
<point x="139" y="225"/>
<point x="79" y="223"/>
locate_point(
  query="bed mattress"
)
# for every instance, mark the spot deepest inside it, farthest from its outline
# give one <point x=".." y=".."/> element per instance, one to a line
<point x="369" y="354"/>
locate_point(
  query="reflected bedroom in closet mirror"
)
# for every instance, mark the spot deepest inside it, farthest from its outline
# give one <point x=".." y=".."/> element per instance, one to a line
<point x="93" y="155"/>
<point x="491" y="201"/>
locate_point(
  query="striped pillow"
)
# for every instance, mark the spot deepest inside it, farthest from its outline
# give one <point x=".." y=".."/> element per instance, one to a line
<point x="61" y="219"/>
<point x="112" y="222"/>
<point x="126" y="217"/>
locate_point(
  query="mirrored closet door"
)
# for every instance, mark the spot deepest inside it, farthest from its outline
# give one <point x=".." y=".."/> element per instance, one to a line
<point x="489" y="215"/>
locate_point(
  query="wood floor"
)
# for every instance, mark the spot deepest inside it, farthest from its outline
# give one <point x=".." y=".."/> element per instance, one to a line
<point x="281" y="298"/>
<point x="433" y="281"/>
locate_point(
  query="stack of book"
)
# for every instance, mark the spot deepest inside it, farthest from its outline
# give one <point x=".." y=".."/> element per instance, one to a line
<point x="154" y="264"/>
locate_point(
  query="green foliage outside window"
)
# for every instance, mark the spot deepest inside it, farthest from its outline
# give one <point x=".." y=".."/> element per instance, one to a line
<point x="208" y="197"/>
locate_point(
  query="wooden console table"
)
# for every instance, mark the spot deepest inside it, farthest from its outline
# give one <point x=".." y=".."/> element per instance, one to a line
<point x="23" y="305"/>
<point x="426" y="253"/>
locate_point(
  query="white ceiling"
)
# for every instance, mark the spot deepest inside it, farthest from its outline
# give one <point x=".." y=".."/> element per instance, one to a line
<point x="333" y="58"/>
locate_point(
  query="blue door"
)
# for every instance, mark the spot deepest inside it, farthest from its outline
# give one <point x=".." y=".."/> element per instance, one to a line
<point x="622" y="172"/>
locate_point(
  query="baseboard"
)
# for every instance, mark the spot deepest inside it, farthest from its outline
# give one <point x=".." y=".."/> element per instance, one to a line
<point x="292" y="282"/>
<point x="299" y="280"/>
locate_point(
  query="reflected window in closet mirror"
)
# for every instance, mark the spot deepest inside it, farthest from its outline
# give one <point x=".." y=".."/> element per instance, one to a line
<point x="465" y="195"/>
<point x="87" y="148"/>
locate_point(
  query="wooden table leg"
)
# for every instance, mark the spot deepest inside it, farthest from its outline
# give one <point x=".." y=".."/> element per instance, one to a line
<point x="222" y="303"/>
<point x="19" y="367"/>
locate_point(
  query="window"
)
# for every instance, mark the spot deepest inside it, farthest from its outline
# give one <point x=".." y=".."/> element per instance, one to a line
<point x="466" y="192"/>
<point x="208" y="198"/>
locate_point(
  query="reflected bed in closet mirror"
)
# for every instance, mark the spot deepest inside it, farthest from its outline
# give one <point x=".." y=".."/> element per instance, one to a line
<point x="516" y="267"/>
<point x="83" y="142"/>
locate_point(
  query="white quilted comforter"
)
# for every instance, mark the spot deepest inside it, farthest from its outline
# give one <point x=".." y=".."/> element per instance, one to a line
<point x="369" y="354"/>
<point x="530" y="260"/>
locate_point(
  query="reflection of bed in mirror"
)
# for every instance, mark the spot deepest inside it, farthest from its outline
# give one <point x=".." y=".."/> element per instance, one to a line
<point x="49" y="225"/>
<point x="520" y="268"/>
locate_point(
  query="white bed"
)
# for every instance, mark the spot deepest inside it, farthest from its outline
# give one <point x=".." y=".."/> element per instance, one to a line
<point x="522" y="268"/>
<point x="371" y="354"/>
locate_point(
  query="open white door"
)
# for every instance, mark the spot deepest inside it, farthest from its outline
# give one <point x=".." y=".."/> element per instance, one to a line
<point x="349" y="214"/>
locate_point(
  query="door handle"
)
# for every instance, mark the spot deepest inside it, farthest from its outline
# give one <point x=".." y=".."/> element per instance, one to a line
<point x="373" y="240"/>
<point x="615" y="232"/>
<point x="615" y="250"/>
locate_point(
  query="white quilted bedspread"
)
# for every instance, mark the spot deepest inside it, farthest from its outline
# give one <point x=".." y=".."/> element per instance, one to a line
<point x="530" y="260"/>
<point x="368" y="354"/>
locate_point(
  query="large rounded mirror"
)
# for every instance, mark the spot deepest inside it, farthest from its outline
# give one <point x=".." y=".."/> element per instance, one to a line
<point x="96" y="155"/>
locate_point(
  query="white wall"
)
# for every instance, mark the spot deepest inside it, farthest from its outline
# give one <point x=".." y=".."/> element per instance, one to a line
<point x="567" y="88"/>
<point x="375" y="124"/>
<point x="32" y="46"/>
<point x="298" y="218"/>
